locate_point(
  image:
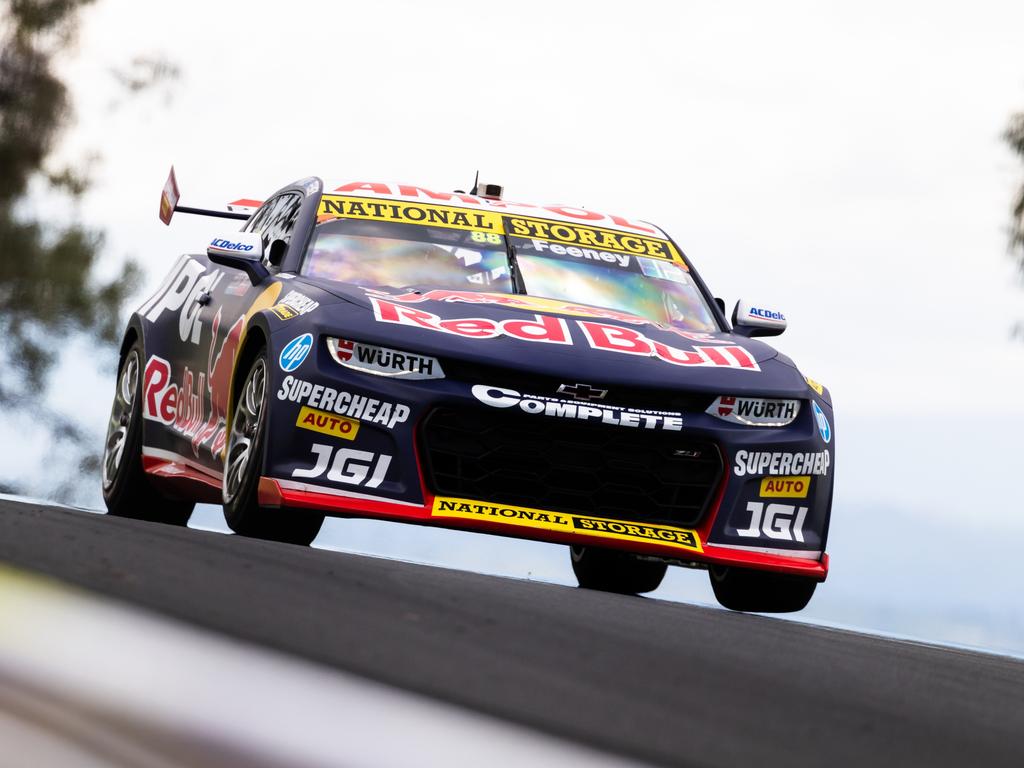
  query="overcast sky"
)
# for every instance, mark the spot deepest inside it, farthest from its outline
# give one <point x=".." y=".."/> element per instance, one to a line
<point x="841" y="162"/>
<point x="843" y="165"/>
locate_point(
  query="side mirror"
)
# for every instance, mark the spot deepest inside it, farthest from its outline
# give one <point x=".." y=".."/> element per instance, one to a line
<point x="756" y="320"/>
<point x="240" y="250"/>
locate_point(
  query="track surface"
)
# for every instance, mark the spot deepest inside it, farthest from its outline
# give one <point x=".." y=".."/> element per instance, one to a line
<point x="666" y="682"/>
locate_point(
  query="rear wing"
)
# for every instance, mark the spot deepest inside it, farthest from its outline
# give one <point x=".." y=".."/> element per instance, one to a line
<point x="239" y="209"/>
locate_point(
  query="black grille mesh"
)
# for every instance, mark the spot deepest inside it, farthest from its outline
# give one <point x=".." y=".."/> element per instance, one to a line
<point x="567" y="466"/>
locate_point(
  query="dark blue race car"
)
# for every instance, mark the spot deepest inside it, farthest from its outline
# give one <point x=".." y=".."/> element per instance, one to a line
<point x="458" y="360"/>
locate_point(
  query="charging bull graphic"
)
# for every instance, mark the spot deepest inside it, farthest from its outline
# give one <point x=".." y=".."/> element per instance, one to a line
<point x="195" y="406"/>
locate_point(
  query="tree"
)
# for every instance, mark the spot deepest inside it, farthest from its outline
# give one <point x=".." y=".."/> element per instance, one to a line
<point x="1015" y="138"/>
<point x="48" y="290"/>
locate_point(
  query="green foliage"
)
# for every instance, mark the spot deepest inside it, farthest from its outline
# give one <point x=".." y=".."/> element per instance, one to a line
<point x="35" y="17"/>
<point x="34" y="105"/>
<point x="49" y="294"/>
<point x="1015" y="138"/>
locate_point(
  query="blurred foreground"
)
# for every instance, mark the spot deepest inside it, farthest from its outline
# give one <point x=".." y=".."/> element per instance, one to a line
<point x="86" y="681"/>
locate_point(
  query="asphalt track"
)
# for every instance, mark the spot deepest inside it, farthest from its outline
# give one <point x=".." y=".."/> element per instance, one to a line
<point x="665" y="682"/>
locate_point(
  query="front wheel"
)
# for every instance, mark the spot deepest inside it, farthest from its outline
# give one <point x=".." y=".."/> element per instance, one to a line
<point x="243" y="462"/>
<point x="743" y="589"/>
<point x="126" y="490"/>
<point x="611" y="571"/>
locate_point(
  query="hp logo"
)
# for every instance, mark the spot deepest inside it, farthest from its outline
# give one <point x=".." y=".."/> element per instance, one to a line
<point x="295" y="352"/>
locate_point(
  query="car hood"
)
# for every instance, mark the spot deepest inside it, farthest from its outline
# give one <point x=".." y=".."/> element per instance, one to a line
<point x="576" y="342"/>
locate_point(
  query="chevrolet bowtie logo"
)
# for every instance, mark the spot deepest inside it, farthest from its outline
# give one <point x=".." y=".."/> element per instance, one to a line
<point x="582" y="392"/>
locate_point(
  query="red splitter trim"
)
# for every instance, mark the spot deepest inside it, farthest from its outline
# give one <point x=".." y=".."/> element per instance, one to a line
<point x="288" y="493"/>
<point x="180" y="474"/>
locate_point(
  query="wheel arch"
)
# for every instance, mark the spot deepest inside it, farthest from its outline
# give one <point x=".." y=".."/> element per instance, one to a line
<point x="132" y="333"/>
<point x="255" y="337"/>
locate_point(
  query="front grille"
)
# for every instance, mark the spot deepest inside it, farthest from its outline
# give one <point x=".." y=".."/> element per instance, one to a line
<point x="562" y="465"/>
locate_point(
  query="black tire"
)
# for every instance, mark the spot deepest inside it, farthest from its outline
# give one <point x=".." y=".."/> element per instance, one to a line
<point x="126" y="489"/>
<point x="743" y="589"/>
<point x="243" y="460"/>
<point x="609" y="570"/>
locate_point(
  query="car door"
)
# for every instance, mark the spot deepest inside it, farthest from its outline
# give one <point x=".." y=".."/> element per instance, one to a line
<point x="212" y="322"/>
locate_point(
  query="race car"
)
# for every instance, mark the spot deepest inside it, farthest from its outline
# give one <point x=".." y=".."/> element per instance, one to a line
<point x="458" y="360"/>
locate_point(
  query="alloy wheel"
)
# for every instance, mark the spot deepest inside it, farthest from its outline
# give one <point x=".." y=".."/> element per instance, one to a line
<point x="121" y="415"/>
<point x="245" y="424"/>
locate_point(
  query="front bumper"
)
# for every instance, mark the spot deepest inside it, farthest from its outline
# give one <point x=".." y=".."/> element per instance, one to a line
<point x="370" y="459"/>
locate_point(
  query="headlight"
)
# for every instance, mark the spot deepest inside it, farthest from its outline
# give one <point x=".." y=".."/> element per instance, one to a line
<point x="755" y="411"/>
<point x="383" y="361"/>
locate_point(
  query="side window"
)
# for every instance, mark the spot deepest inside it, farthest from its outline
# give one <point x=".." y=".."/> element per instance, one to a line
<point x="256" y="223"/>
<point x="282" y="220"/>
<point x="274" y="221"/>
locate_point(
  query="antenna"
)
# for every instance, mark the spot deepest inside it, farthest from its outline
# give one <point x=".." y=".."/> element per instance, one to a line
<point x="486" y="191"/>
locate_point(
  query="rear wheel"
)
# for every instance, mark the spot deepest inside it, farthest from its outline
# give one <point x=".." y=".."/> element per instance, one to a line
<point x="242" y="463"/>
<point x="612" y="571"/>
<point x="126" y="490"/>
<point x="743" y="589"/>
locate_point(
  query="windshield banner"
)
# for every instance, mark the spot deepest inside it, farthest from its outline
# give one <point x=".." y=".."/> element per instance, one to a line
<point x="603" y="242"/>
<point x="338" y="206"/>
<point x="560" y="238"/>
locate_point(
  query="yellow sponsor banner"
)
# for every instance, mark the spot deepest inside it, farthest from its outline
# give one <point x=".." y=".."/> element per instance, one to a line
<point x="793" y="487"/>
<point x="402" y="212"/>
<point x="284" y="311"/>
<point x="453" y="217"/>
<point x="591" y="237"/>
<point x="665" y="535"/>
<point x="815" y="385"/>
<point x="327" y="423"/>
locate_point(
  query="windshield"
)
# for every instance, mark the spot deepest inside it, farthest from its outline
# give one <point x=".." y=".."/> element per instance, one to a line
<point x="658" y="289"/>
<point x="377" y="254"/>
<point x="380" y="254"/>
